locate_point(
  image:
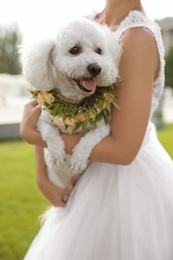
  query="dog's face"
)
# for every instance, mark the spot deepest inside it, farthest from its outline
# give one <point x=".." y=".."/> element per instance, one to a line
<point x="84" y="55"/>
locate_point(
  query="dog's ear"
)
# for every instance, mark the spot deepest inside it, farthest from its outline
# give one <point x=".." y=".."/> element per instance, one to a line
<point x="113" y="45"/>
<point x="36" y="63"/>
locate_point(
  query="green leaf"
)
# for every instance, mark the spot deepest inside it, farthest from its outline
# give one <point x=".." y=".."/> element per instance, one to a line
<point x="84" y="128"/>
<point x="46" y="104"/>
<point x="108" y="107"/>
<point x="116" y="105"/>
<point x="78" y="125"/>
<point x="55" y="110"/>
<point x="99" y="117"/>
<point x="92" y="122"/>
<point x="105" y="119"/>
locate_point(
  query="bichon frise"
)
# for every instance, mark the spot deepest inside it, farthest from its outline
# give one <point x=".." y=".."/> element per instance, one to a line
<point x="82" y="59"/>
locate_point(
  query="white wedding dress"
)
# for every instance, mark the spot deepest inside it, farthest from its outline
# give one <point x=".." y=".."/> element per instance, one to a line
<point x="117" y="212"/>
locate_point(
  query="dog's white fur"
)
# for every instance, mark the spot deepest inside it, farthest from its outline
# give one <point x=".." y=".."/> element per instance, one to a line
<point x="50" y="65"/>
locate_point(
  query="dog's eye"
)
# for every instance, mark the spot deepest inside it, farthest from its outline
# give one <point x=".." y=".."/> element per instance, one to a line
<point x="99" y="51"/>
<point x="75" y="50"/>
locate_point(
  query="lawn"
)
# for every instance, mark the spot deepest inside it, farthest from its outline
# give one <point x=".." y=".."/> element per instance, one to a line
<point x="21" y="201"/>
<point x="165" y="136"/>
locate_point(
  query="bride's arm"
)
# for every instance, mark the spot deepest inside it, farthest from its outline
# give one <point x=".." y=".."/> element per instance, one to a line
<point x="29" y="133"/>
<point x="139" y="67"/>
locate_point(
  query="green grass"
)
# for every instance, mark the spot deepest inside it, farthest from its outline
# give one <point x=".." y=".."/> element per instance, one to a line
<point x="165" y="136"/>
<point x="20" y="200"/>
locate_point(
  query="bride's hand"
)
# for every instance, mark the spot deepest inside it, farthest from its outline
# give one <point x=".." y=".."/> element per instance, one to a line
<point x="28" y="129"/>
<point x="53" y="193"/>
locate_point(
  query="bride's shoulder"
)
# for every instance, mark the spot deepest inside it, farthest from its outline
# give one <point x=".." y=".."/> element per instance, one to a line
<point x="139" y="47"/>
<point x="137" y="36"/>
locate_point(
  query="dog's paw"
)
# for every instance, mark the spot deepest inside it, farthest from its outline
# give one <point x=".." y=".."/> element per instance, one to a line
<point x="57" y="159"/>
<point x="57" y="152"/>
<point x="77" y="165"/>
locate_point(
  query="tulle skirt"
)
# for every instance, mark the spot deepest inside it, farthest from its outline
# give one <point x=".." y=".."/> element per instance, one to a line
<point x="115" y="212"/>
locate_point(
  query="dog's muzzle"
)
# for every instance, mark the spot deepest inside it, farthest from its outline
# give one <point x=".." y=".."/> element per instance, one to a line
<point x="89" y="84"/>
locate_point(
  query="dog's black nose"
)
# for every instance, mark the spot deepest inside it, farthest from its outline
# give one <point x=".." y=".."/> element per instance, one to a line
<point x="94" y="69"/>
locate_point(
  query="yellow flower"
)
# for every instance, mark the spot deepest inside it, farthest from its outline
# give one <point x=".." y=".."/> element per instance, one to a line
<point x="81" y="117"/>
<point x="64" y="122"/>
<point x="103" y="107"/>
<point x="58" y="120"/>
<point x="49" y="111"/>
<point x="70" y="121"/>
<point x="91" y="115"/>
<point x="98" y="109"/>
<point x="34" y="90"/>
<point x="43" y="97"/>
<point x="108" y="97"/>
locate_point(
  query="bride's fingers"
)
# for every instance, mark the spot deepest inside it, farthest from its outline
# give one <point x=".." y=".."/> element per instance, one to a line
<point x="56" y="195"/>
<point x="32" y="103"/>
<point x="32" y="106"/>
<point x="31" y="113"/>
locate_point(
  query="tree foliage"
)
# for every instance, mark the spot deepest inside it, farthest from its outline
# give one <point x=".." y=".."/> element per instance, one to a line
<point x="10" y="39"/>
<point x="169" y="68"/>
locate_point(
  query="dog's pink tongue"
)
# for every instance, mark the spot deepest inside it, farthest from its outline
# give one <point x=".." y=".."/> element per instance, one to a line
<point x="89" y="84"/>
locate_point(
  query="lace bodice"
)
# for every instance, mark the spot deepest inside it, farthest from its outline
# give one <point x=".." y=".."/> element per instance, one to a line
<point x="137" y="19"/>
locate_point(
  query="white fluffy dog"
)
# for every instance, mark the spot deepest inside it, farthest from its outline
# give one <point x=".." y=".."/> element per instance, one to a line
<point x="84" y="56"/>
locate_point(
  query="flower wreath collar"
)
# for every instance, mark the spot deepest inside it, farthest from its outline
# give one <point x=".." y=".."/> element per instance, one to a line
<point x="78" y="114"/>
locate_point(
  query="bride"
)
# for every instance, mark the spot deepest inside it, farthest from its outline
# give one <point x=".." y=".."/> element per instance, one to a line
<point x="121" y="208"/>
